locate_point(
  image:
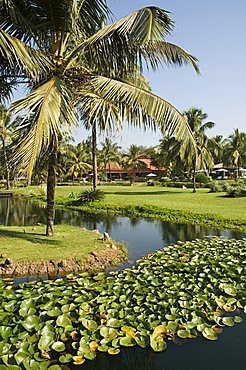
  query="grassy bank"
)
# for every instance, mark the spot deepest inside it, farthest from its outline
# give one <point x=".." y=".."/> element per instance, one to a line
<point x="170" y="204"/>
<point x="71" y="248"/>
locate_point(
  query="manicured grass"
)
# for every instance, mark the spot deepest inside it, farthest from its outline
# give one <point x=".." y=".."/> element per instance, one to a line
<point x="166" y="204"/>
<point x="170" y="198"/>
<point x="31" y="244"/>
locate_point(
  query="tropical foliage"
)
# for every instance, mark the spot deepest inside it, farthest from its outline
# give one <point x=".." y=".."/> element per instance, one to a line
<point x="191" y="289"/>
<point x="62" y="55"/>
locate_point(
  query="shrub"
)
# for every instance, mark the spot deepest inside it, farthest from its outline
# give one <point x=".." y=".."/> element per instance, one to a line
<point x="237" y="191"/>
<point x="91" y="195"/>
<point x="215" y="187"/>
<point x="202" y="178"/>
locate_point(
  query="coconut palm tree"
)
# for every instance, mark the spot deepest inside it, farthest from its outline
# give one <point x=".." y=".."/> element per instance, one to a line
<point x="200" y="157"/>
<point x="77" y="163"/>
<point x="132" y="159"/>
<point x="110" y="153"/>
<point x="67" y="57"/>
<point x="235" y="150"/>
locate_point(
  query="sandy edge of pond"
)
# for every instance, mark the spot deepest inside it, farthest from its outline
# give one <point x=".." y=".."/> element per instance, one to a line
<point x="106" y="258"/>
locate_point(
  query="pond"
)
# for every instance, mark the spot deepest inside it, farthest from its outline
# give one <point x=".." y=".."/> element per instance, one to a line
<point x="143" y="236"/>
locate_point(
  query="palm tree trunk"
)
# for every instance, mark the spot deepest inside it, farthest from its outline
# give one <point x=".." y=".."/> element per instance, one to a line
<point x="109" y="170"/>
<point x="51" y="182"/>
<point x="6" y="165"/>
<point x="94" y="155"/>
<point x="194" y="176"/>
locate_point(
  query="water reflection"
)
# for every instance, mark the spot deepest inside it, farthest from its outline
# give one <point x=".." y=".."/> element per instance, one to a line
<point x="141" y="236"/>
<point x="228" y="353"/>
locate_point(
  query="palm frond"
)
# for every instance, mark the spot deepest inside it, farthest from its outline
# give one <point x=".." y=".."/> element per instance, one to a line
<point x="53" y="116"/>
<point x="132" y="39"/>
<point x="95" y="108"/>
<point x="142" y="108"/>
<point x="33" y="63"/>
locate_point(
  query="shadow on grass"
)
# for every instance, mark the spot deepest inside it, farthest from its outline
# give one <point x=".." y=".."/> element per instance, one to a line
<point x="158" y="192"/>
<point x="35" y="238"/>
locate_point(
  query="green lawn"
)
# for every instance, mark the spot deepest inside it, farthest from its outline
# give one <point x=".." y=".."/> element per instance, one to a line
<point x="171" y="198"/>
<point x="31" y="244"/>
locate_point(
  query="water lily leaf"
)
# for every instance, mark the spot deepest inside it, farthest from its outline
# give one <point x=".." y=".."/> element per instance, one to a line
<point x="238" y="319"/>
<point x="126" y="341"/>
<point x="100" y="276"/>
<point x="230" y="290"/>
<point x="89" y="324"/>
<point x="103" y="348"/>
<point x="209" y="334"/>
<point x="63" y="320"/>
<point x="159" y="330"/>
<point x="183" y="333"/>
<point x="113" y="351"/>
<point x="58" y="346"/>
<point x="142" y="341"/>
<point x="10" y="306"/>
<point x="27" y="311"/>
<point x="31" y="322"/>
<point x="54" y="312"/>
<point x="90" y="355"/>
<point x="5" y="332"/>
<point x="64" y="359"/>
<point x="114" y="323"/>
<point x="172" y="326"/>
<point x="20" y="356"/>
<point x="158" y="344"/>
<point x="109" y="333"/>
<point x="45" y="342"/>
<point x="228" y="321"/>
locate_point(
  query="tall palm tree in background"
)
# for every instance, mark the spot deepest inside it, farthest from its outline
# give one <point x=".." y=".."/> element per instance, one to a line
<point x="216" y="147"/>
<point x="132" y="159"/>
<point x="235" y="150"/>
<point x="170" y="155"/>
<point x="77" y="163"/>
<point x="200" y="157"/>
<point x="110" y="153"/>
<point x="68" y="58"/>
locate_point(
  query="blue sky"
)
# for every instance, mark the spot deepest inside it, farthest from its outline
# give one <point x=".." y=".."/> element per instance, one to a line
<point x="214" y="31"/>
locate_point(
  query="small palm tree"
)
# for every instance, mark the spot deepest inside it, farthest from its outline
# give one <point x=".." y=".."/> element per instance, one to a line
<point x="235" y="150"/>
<point x="110" y="153"/>
<point x="200" y="157"/>
<point x="77" y="163"/>
<point x="132" y="159"/>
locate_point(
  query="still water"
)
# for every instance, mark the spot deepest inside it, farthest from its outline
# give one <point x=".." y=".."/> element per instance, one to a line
<point x="142" y="236"/>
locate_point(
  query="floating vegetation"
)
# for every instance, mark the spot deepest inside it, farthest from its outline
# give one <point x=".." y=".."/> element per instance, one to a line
<point x="187" y="290"/>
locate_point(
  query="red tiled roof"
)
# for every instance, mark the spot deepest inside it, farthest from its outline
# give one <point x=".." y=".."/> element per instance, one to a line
<point x="115" y="167"/>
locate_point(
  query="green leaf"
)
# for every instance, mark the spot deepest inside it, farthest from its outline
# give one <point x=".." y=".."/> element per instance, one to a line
<point x="109" y="333"/>
<point x="5" y="332"/>
<point x="113" y="351"/>
<point x="126" y="341"/>
<point x="183" y="333"/>
<point x="31" y="322"/>
<point x="209" y="334"/>
<point x="58" y="346"/>
<point x="89" y="324"/>
<point x="63" y="320"/>
<point x="64" y="359"/>
<point x="158" y="344"/>
<point x="228" y="321"/>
